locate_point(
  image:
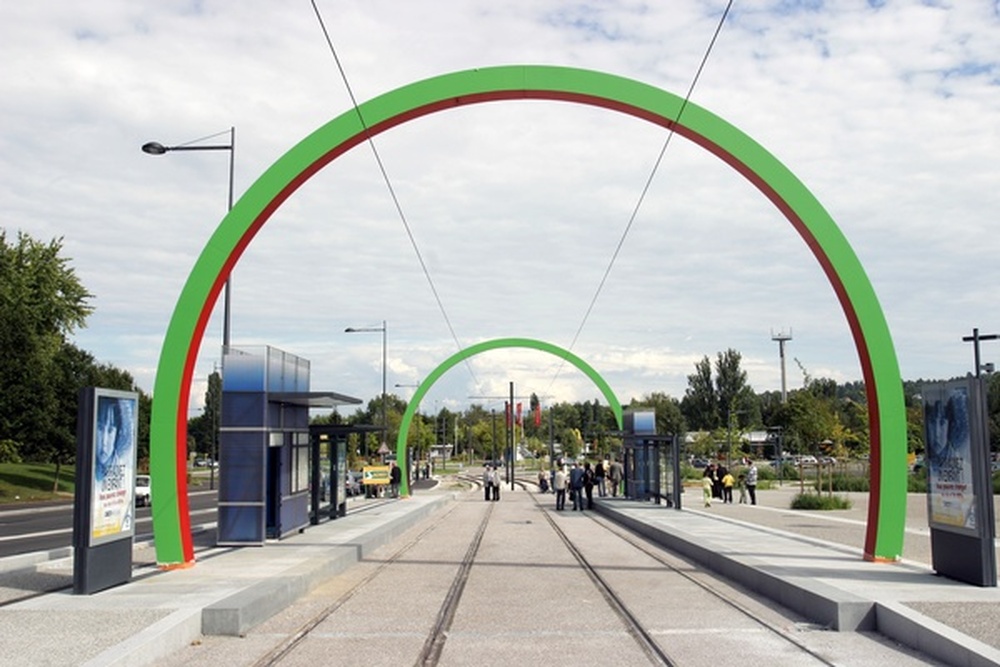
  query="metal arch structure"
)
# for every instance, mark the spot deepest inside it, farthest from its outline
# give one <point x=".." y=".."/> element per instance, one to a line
<point x="486" y="346"/>
<point x="869" y="329"/>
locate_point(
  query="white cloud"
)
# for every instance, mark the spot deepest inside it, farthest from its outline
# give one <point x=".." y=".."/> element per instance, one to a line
<point x="886" y="111"/>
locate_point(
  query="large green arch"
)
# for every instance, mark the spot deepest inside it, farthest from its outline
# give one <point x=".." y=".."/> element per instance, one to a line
<point x="479" y="348"/>
<point x="877" y="356"/>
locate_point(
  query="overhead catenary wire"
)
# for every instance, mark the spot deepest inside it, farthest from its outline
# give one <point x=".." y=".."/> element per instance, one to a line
<point x="645" y="189"/>
<point x="369" y="139"/>
<point x="625" y="232"/>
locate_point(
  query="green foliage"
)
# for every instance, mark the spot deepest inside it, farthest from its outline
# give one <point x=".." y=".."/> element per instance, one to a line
<point x="817" y="501"/>
<point x="917" y="482"/>
<point x="669" y="419"/>
<point x="786" y="472"/>
<point x="41" y="372"/>
<point x="203" y="430"/>
<point x="846" y="483"/>
<point x="723" y="401"/>
<point x="41" y="302"/>
<point x="8" y="452"/>
<point x="700" y="406"/>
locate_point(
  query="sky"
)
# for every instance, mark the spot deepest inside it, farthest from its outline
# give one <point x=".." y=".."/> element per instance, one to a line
<point x="887" y="110"/>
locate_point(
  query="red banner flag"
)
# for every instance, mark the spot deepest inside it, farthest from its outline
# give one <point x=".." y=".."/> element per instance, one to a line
<point x="538" y="415"/>
<point x="506" y="411"/>
<point x="519" y="422"/>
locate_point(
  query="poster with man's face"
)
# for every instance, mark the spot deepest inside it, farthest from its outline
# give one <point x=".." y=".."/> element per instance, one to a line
<point x="115" y="434"/>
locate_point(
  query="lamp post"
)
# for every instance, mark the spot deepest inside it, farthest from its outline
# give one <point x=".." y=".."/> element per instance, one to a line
<point x="156" y="148"/>
<point x="382" y="330"/>
<point x="975" y="338"/>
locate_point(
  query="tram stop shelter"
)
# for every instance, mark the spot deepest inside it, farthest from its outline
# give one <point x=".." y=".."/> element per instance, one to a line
<point x="270" y="473"/>
<point x="651" y="461"/>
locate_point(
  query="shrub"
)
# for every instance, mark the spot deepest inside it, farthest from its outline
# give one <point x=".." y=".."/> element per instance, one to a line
<point x="8" y="452"/>
<point x="769" y="472"/>
<point x="846" y="483"/>
<point x="917" y="482"/>
<point x="816" y="501"/>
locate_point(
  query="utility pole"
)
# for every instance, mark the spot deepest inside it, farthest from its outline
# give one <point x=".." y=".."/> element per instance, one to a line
<point x="974" y="339"/>
<point x="511" y="437"/>
<point x="781" y="337"/>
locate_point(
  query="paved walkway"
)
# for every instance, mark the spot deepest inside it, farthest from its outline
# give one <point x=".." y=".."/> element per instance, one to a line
<point x="810" y="561"/>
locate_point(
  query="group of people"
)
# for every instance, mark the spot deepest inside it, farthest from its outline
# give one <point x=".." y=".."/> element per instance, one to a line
<point x="579" y="482"/>
<point x="718" y="482"/>
<point x="491" y="483"/>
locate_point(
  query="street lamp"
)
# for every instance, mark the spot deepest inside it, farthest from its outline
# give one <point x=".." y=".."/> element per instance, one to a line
<point x="381" y="330"/>
<point x="156" y="148"/>
<point x="975" y="338"/>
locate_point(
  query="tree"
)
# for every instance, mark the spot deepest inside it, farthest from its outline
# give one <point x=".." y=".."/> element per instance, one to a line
<point x="72" y="370"/>
<point x="812" y="420"/>
<point x="700" y="404"/>
<point x="726" y="401"/>
<point x="203" y="430"/>
<point x="669" y="419"/>
<point x="993" y="410"/>
<point x="41" y="303"/>
<point x="736" y="399"/>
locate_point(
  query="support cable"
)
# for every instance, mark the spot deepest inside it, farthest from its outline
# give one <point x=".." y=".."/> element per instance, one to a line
<point x="388" y="184"/>
<point x="645" y="190"/>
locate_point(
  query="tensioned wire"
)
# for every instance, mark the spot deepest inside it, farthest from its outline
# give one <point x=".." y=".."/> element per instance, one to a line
<point x="644" y="191"/>
<point x="625" y="232"/>
<point x="392" y="191"/>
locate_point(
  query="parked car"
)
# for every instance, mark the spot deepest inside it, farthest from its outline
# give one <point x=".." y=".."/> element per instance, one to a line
<point x="143" y="495"/>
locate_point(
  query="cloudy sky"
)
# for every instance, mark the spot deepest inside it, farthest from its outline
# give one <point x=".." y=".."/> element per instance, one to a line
<point x="887" y="110"/>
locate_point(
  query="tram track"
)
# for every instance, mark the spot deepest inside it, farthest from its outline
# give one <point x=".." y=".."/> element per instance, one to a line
<point x="279" y="652"/>
<point x="656" y="653"/>
<point x="436" y="604"/>
<point x="435" y="641"/>
<point x="655" y="552"/>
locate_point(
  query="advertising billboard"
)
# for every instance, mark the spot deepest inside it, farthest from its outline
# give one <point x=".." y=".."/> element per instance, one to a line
<point x="113" y="465"/>
<point x="952" y="445"/>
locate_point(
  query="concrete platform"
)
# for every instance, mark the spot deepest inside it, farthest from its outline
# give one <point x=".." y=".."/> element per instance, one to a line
<point x="829" y="583"/>
<point x="768" y="548"/>
<point x="227" y="591"/>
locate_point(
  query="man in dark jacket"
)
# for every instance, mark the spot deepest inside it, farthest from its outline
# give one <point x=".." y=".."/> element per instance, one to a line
<point x="576" y="486"/>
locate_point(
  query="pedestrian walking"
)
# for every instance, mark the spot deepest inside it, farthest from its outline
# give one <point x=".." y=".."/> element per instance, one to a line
<point x="741" y="482"/>
<point x="706" y="489"/>
<point x="752" y="481"/>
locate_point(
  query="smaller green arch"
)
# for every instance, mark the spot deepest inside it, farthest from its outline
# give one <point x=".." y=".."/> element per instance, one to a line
<point x="479" y="348"/>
